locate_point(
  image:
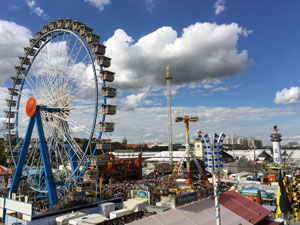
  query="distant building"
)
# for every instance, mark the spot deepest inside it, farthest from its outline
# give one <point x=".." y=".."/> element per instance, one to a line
<point x="242" y="141"/>
<point x="292" y="144"/>
<point x="176" y="146"/>
<point x="258" y="143"/>
<point x="251" y="142"/>
<point x="234" y="140"/>
<point x="124" y="141"/>
<point x="231" y="140"/>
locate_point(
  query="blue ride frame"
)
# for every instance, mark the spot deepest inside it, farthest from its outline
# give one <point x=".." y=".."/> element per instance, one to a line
<point x="50" y="182"/>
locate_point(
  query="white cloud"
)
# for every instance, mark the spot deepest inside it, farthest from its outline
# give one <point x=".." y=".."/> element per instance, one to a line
<point x="210" y="86"/>
<point x="99" y="4"/>
<point x="138" y="124"/>
<point x="207" y="86"/>
<point x="13" y="38"/>
<point x="150" y="4"/>
<point x="220" y="89"/>
<point x="31" y="3"/>
<point x="36" y="9"/>
<point x="204" y="50"/>
<point x="219" y="6"/>
<point x="131" y="101"/>
<point x="288" y="96"/>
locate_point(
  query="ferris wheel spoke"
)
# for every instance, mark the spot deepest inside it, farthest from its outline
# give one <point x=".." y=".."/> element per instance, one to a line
<point x="58" y="149"/>
<point x="84" y="106"/>
<point x="76" y="67"/>
<point x="22" y="125"/>
<point x="31" y="152"/>
<point x="37" y="76"/>
<point x="63" y="71"/>
<point x="29" y="80"/>
<point x="59" y="45"/>
<point x="49" y="61"/>
<point x="72" y="65"/>
<point x="69" y="81"/>
<point x="59" y="87"/>
<point x="74" y="92"/>
<point x="64" y="133"/>
<point x="54" y="149"/>
<point x="71" y="53"/>
<point x="31" y="85"/>
<point x="17" y="147"/>
<point x="33" y="156"/>
<point x="78" y="90"/>
<point x="48" y="92"/>
<point x="82" y="127"/>
<point x="59" y="72"/>
<point x="69" y="120"/>
<point x="76" y="55"/>
<point x="76" y="149"/>
<point x="49" y="80"/>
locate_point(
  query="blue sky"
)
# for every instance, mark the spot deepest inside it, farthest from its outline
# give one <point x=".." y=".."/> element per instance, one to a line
<point x="234" y="62"/>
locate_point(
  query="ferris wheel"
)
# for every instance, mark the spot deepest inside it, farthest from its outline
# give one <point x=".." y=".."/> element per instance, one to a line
<point x="60" y="92"/>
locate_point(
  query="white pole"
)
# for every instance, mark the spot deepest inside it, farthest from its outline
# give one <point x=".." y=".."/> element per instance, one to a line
<point x="170" y="123"/>
<point x="169" y="78"/>
<point x="215" y="182"/>
<point x="216" y="196"/>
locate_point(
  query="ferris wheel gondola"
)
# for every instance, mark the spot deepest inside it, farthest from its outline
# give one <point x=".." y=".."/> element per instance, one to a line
<point x="65" y="71"/>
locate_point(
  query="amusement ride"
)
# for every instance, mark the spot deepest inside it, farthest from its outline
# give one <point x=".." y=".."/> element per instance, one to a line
<point x="60" y="92"/>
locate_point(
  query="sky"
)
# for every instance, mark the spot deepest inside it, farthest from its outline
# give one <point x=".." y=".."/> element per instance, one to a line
<point x="235" y="64"/>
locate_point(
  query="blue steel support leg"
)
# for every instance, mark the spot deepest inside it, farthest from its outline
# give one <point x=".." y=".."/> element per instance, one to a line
<point x="53" y="198"/>
<point x="42" y="175"/>
<point x="22" y="156"/>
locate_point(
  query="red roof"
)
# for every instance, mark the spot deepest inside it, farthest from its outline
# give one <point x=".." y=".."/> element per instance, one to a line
<point x="3" y="169"/>
<point x="244" y="207"/>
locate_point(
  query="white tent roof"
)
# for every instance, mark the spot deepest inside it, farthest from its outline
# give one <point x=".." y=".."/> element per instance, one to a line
<point x="197" y="213"/>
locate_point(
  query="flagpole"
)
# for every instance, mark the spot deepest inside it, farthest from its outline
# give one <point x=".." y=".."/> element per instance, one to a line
<point x="216" y="196"/>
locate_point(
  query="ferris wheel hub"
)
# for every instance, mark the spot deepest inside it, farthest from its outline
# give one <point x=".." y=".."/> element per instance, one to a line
<point x="30" y="106"/>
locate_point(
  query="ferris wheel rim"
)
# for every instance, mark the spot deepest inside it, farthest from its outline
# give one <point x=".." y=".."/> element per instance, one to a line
<point x="78" y="37"/>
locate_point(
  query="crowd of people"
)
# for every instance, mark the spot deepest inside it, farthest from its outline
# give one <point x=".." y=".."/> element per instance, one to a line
<point x="123" y="189"/>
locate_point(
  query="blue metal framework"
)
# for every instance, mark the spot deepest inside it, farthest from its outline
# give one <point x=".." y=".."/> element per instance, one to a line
<point x="47" y="170"/>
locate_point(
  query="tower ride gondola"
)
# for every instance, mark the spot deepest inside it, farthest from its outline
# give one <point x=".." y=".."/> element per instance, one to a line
<point x="62" y="83"/>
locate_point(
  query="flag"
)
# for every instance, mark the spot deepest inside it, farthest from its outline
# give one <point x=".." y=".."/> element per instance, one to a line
<point x="296" y="199"/>
<point x="283" y="202"/>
